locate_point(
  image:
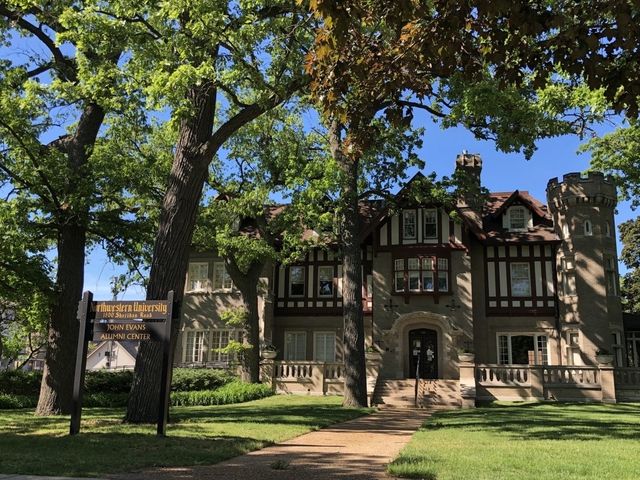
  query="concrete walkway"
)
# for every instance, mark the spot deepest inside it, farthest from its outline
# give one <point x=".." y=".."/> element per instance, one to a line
<point x="357" y="449"/>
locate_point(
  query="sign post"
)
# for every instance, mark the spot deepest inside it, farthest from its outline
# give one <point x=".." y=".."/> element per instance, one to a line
<point x="132" y="321"/>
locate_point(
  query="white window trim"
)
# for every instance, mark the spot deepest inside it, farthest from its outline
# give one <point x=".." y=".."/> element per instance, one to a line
<point x="186" y="343"/>
<point x="424" y="229"/>
<point x="225" y="274"/>
<point x="571" y="348"/>
<point x="214" y="356"/>
<point x="304" y="281"/>
<point x="525" y="218"/>
<point x="412" y="213"/>
<point x="335" y="343"/>
<point x="286" y="349"/>
<point x="511" y="265"/>
<point x="205" y="283"/>
<point x="333" y="286"/>
<point x="535" y="336"/>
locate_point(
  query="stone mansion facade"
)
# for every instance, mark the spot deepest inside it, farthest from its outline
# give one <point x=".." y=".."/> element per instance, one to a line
<point x="515" y="281"/>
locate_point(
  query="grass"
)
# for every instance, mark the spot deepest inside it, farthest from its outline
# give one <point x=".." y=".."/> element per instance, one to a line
<point x="526" y="441"/>
<point x="196" y="436"/>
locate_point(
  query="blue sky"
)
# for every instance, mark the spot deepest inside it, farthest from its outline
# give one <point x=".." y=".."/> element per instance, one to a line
<point x="501" y="172"/>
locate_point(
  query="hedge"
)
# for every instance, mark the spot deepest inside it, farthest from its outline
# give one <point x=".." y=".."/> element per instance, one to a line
<point x="234" y="392"/>
<point x="18" y="382"/>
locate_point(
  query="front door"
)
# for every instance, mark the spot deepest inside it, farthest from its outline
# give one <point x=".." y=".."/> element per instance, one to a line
<point x="423" y="350"/>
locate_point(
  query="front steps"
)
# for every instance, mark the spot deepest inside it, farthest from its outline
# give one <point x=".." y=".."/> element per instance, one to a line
<point x="401" y="393"/>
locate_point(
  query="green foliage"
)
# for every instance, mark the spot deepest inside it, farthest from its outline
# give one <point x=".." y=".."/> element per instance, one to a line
<point x="234" y="317"/>
<point x="618" y="154"/>
<point x="105" y="381"/>
<point x="197" y="379"/>
<point x="12" y="401"/>
<point x="18" y="382"/>
<point x="630" y="255"/>
<point x="234" y="392"/>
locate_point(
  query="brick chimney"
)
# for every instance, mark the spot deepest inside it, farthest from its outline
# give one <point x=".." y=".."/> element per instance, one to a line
<point x="468" y="170"/>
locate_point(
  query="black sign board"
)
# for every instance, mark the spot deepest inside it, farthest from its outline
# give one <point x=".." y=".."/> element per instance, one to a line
<point x="138" y="321"/>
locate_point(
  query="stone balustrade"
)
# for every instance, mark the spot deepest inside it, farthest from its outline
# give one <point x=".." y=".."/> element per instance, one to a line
<point x="545" y="382"/>
<point x="627" y="384"/>
<point x="312" y="378"/>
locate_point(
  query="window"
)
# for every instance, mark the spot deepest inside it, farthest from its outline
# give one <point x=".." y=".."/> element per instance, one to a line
<point x="430" y="223"/>
<point x="409" y="224"/>
<point x="522" y="349"/>
<point x="588" y="228"/>
<point x="568" y="276"/>
<point x="295" y="345"/>
<point x="607" y="229"/>
<point x="565" y="230"/>
<point x="421" y="274"/>
<point x="325" y="281"/>
<point x="414" y="274"/>
<point x="616" y="345"/>
<point x="324" y="346"/>
<point x="398" y="282"/>
<point x="443" y="275"/>
<point x="220" y="339"/>
<point x="517" y="219"/>
<point x="520" y="280"/>
<point x="611" y="275"/>
<point x="198" y="276"/>
<point x="633" y="349"/>
<point x="194" y="349"/>
<point x="574" y="356"/>
<point x="296" y="281"/>
<point x="427" y="274"/>
<point x="221" y="279"/>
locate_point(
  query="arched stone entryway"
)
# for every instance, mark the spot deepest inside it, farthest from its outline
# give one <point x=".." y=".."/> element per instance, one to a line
<point x="398" y="339"/>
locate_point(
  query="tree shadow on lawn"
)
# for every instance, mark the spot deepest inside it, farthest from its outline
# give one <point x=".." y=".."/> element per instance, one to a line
<point x="95" y="454"/>
<point x="546" y="421"/>
<point x="306" y="416"/>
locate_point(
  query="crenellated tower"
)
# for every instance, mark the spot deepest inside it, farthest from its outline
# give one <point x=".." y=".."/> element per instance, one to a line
<point x="589" y="310"/>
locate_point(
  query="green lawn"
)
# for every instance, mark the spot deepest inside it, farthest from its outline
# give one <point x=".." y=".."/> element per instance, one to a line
<point x="526" y="441"/>
<point x="196" y="436"/>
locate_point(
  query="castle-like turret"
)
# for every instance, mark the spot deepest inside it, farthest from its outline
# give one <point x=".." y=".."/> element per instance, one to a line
<point x="589" y="310"/>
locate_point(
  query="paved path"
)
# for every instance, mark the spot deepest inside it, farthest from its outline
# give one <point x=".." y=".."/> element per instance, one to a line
<point x="357" y="449"/>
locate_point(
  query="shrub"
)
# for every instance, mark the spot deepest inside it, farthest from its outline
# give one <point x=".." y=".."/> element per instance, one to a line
<point x="19" y="382"/>
<point x="105" y="400"/>
<point x="199" y="379"/>
<point x="234" y="392"/>
<point x="17" y="401"/>
<point x="104" y="381"/>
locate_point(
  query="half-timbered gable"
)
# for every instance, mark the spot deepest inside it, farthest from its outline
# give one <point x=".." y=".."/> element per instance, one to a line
<point x="313" y="285"/>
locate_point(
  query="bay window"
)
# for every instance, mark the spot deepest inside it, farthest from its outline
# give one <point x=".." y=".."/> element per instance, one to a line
<point x="421" y="275"/>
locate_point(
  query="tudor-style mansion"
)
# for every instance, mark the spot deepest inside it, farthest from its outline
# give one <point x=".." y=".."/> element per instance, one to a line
<point x="531" y="289"/>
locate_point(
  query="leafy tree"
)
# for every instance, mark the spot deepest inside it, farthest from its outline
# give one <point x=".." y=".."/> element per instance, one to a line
<point x="464" y="63"/>
<point x="630" y="255"/>
<point x="273" y="155"/>
<point x="213" y="67"/>
<point x="55" y="99"/>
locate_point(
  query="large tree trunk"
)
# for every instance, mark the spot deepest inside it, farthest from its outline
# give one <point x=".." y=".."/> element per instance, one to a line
<point x="248" y="286"/>
<point x="57" y="380"/>
<point x="171" y="249"/>
<point x="355" y="378"/>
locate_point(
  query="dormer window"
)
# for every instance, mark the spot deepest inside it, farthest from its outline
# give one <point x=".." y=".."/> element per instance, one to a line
<point x="409" y="224"/>
<point x="517" y="219"/>
<point x="588" y="228"/>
